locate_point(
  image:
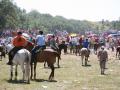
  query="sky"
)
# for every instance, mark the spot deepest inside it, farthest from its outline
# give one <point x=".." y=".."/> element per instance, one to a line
<point x="91" y="10"/>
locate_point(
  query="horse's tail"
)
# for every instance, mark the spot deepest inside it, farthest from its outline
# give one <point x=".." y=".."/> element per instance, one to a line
<point x="27" y="66"/>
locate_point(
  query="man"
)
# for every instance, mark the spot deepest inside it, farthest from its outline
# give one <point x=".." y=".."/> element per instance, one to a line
<point x="19" y="42"/>
<point x="86" y="43"/>
<point x="53" y="44"/>
<point x="103" y="57"/>
<point x="40" y="43"/>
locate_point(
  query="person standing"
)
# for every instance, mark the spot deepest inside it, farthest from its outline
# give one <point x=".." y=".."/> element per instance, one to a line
<point x="53" y="44"/>
<point x="102" y="57"/>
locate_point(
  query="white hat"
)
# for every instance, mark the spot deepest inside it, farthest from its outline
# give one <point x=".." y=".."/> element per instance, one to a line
<point x="102" y="47"/>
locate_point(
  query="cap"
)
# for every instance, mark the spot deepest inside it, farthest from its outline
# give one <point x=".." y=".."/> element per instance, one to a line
<point x="102" y="47"/>
<point x="19" y="32"/>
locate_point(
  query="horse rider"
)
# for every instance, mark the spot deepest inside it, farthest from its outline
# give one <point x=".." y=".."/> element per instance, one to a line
<point x="102" y="57"/>
<point x="53" y="43"/>
<point x="19" y="42"/>
<point x="40" y="44"/>
<point x="86" y="43"/>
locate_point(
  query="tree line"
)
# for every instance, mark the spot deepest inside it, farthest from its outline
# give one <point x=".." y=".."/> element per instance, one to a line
<point x="12" y="17"/>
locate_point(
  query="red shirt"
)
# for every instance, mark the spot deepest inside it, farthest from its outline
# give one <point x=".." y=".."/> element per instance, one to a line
<point x="19" y="41"/>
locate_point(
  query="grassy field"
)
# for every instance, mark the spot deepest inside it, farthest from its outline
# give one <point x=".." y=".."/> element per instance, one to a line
<point x="71" y="75"/>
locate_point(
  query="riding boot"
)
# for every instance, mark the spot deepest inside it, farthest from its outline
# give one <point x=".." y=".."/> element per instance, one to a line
<point x="10" y="60"/>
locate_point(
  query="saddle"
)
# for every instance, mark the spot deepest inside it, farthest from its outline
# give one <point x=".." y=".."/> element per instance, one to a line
<point x="14" y="51"/>
<point x="39" y="50"/>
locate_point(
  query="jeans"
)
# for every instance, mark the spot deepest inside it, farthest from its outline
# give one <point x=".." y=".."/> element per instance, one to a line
<point x="34" y="50"/>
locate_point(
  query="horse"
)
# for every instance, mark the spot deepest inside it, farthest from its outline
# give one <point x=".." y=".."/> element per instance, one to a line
<point x="47" y="55"/>
<point x="118" y="52"/>
<point x="29" y="46"/>
<point x="58" y="60"/>
<point x="62" y="46"/>
<point x="22" y="58"/>
<point x="85" y="54"/>
<point x="2" y="51"/>
<point x="78" y="48"/>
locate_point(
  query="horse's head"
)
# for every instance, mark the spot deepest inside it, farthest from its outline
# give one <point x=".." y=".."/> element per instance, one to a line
<point x="29" y="46"/>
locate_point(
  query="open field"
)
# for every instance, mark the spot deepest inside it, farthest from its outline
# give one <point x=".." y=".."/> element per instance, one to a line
<point x="71" y="75"/>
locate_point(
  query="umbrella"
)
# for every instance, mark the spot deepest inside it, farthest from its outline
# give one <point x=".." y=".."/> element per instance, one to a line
<point x="73" y="34"/>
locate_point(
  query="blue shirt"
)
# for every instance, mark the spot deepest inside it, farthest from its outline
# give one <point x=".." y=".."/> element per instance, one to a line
<point x="85" y="44"/>
<point x="40" y="40"/>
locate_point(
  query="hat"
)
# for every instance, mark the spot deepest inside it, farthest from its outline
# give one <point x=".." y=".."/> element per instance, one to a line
<point x="41" y="32"/>
<point x="102" y="47"/>
<point x="19" y="33"/>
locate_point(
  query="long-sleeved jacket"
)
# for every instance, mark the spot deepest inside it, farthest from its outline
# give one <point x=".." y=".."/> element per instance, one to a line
<point x="102" y="55"/>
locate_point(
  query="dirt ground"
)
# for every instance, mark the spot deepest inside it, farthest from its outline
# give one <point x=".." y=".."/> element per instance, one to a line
<point x="71" y="75"/>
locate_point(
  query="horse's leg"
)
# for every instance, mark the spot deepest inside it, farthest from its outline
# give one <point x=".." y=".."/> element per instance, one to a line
<point x="44" y="64"/>
<point x="82" y="59"/>
<point x="35" y="64"/>
<point x="70" y="49"/>
<point x="31" y="70"/>
<point x="76" y="50"/>
<point x="16" y="72"/>
<point x="1" y="57"/>
<point x="79" y="50"/>
<point x="65" y="49"/>
<point x="86" y="59"/>
<point x="58" y="63"/>
<point x="27" y="70"/>
<point x="119" y="56"/>
<point x="116" y="53"/>
<point x="23" y="70"/>
<point x="52" y="72"/>
<point x="11" y="72"/>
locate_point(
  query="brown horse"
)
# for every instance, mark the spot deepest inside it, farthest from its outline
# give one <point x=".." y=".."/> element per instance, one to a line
<point x="85" y="54"/>
<point x="118" y="52"/>
<point x="49" y="56"/>
<point x="29" y="46"/>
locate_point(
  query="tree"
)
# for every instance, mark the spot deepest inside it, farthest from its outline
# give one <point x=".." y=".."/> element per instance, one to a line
<point x="8" y="15"/>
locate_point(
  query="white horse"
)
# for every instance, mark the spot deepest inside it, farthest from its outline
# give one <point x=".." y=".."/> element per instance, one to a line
<point x="22" y="58"/>
<point x="85" y="54"/>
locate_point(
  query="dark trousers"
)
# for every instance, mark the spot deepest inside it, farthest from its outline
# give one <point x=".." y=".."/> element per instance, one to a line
<point x="34" y="50"/>
<point x="12" y="53"/>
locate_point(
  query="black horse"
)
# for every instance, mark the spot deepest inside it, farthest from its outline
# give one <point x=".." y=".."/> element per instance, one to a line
<point x="62" y="46"/>
<point x="2" y="51"/>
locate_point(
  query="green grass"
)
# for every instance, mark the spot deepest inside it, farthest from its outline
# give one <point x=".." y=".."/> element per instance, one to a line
<point x="71" y="75"/>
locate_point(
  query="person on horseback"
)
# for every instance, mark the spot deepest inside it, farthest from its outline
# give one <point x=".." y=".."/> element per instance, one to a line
<point x="53" y="44"/>
<point x="86" y="43"/>
<point x="40" y="44"/>
<point x="19" y="42"/>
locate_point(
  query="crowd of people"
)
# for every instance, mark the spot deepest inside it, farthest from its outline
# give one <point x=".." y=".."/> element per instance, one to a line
<point x="73" y="42"/>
